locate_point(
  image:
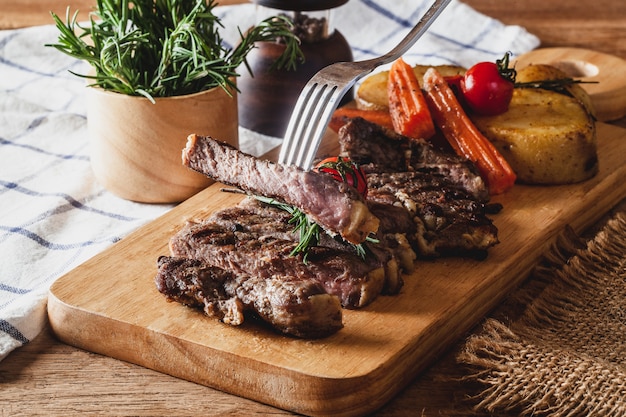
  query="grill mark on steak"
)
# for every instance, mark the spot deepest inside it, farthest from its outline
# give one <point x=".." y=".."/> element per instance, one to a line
<point x="343" y="274"/>
<point x="443" y="198"/>
<point x="300" y="307"/>
<point x="334" y="205"/>
<point x="193" y="284"/>
<point x="374" y="147"/>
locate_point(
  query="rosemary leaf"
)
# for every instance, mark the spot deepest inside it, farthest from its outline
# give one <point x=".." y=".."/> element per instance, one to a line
<point x="557" y="84"/>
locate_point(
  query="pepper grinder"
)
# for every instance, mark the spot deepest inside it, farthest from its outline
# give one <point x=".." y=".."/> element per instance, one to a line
<point x="267" y="97"/>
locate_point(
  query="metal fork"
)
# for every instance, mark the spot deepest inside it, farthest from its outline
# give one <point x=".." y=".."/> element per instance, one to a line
<point x="321" y="95"/>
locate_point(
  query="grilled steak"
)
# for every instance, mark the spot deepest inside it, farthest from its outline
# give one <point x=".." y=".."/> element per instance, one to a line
<point x="380" y="150"/>
<point x="441" y="193"/>
<point x="298" y="307"/>
<point x="334" y="205"/>
<point x="421" y="202"/>
<point x="343" y="274"/>
<point x="447" y="220"/>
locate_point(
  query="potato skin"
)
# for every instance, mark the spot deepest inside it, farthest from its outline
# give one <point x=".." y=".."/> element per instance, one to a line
<point x="548" y="138"/>
<point x="372" y="93"/>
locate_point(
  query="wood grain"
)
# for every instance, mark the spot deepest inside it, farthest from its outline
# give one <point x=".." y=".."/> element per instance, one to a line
<point x="58" y="379"/>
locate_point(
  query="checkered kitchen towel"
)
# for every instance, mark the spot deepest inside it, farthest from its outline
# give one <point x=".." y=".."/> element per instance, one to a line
<point x="53" y="213"/>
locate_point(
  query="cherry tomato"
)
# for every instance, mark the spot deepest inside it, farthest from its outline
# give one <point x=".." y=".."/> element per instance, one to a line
<point x="486" y="90"/>
<point x="344" y="170"/>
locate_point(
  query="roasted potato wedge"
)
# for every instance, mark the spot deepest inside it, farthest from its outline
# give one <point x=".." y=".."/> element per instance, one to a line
<point x="372" y="93"/>
<point x="547" y="137"/>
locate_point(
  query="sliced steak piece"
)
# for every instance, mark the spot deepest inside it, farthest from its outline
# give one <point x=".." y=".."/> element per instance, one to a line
<point x="299" y="307"/>
<point x="382" y="151"/>
<point x="396" y="225"/>
<point x="442" y="196"/>
<point x="343" y="274"/>
<point x="374" y="147"/>
<point x="192" y="283"/>
<point x="448" y="221"/>
<point x="258" y="219"/>
<point x="334" y="205"/>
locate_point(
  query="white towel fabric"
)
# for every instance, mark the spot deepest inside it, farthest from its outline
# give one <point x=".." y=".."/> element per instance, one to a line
<point x="53" y="213"/>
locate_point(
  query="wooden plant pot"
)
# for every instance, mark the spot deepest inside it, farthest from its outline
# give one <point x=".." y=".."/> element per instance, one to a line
<point x="136" y="145"/>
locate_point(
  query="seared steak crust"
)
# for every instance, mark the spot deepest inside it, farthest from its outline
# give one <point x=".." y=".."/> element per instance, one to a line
<point x="334" y="205"/>
<point x="258" y="219"/>
<point x="447" y="221"/>
<point x="190" y="282"/>
<point x="296" y="307"/>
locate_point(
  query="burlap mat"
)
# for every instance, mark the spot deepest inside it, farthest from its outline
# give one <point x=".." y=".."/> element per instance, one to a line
<point x="565" y="353"/>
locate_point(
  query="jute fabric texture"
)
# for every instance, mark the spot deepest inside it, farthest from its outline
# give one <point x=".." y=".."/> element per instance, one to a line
<point x="565" y="353"/>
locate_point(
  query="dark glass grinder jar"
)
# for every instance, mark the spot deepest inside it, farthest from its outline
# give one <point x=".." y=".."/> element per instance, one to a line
<point x="267" y="98"/>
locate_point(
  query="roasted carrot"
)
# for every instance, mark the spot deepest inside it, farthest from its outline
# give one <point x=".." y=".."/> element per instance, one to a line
<point x="343" y="114"/>
<point x="407" y="106"/>
<point x="463" y="135"/>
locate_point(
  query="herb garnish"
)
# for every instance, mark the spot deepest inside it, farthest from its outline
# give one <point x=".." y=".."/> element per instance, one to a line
<point x="309" y="231"/>
<point x="557" y="84"/>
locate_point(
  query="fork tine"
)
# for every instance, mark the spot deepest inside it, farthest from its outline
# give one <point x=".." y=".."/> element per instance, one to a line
<point x="315" y="125"/>
<point x="307" y="122"/>
<point x="323" y="118"/>
<point x="293" y="134"/>
<point x="312" y="113"/>
<point x="290" y="145"/>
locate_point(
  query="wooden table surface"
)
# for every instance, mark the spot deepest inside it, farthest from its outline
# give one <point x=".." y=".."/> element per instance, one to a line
<point x="46" y="377"/>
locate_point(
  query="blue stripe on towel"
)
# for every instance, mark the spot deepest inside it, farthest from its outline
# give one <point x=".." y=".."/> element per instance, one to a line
<point x="14" y="290"/>
<point x="7" y="328"/>
<point x="56" y="246"/>
<point x="36" y="149"/>
<point x="71" y="201"/>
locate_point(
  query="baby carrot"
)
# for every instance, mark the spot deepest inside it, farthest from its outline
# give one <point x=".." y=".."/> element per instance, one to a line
<point x="407" y="106"/>
<point x="463" y="135"/>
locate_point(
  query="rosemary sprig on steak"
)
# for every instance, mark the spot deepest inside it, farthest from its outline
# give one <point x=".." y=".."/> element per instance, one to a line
<point x="308" y="230"/>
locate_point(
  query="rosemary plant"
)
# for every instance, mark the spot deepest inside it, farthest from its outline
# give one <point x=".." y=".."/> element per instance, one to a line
<point x="163" y="48"/>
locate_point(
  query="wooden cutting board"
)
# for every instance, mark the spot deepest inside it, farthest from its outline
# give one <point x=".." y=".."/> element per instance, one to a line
<point x="110" y="305"/>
